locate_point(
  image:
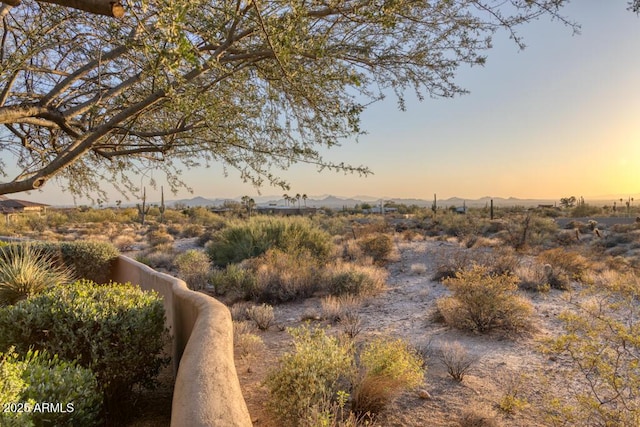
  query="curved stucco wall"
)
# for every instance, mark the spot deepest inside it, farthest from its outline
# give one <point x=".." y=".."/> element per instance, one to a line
<point x="207" y="391"/>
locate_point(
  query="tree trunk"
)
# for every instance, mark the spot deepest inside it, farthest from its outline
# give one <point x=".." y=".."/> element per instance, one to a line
<point x="111" y="8"/>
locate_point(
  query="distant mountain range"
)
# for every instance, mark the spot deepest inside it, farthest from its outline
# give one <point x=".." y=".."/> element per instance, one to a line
<point x="335" y="202"/>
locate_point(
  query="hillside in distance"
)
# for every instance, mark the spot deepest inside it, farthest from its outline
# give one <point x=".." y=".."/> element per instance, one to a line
<point x="336" y="202"/>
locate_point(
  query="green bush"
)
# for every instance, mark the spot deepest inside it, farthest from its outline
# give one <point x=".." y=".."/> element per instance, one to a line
<point x="387" y="368"/>
<point x="311" y="381"/>
<point x="315" y="372"/>
<point x="26" y="271"/>
<point x="234" y="281"/>
<point x="193" y="267"/>
<point x="377" y="246"/>
<point x="37" y="379"/>
<point x="117" y="330"/>
<point x="245" y="240"/>
<point x="482" y="302"/>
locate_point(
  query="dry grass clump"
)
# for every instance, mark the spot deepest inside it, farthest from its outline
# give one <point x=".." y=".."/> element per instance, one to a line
<point x="158" y="258"/>
<point x="159" y="237"/>
<point x="334" y="308"/>
<point x="455" y="357"/>
<point x="482" y="302"/>
<point x="478" y="416"/>
<point x="262" y="315"/>
<point x="282" y="276"/>
<point x="192" y="230"/>
<point x="239" y="311"/>
<point x="565" y="262"/>
<point x="344" y="278"/>
<point x="534" y="277"/>
<point x="124" y="243"/>
<point x="245" y="342"/>
<point x="351" y="324"/>
<point x="418" y="269"/>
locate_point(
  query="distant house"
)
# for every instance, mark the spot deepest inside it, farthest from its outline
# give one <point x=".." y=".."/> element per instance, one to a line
<point x="9" y="207"/>
<point x="20" y="206"/>
<point x="284" y="210"/>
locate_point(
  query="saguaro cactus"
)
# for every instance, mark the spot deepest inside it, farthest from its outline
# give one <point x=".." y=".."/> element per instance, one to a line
<point x="144" y="209"/>
<point x="162" y="207"/>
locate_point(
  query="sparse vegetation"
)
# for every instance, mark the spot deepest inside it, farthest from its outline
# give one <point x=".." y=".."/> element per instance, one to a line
<point x="456" y="359"/>
<point x="482" y="302"/>
<point x="262" y="315"/>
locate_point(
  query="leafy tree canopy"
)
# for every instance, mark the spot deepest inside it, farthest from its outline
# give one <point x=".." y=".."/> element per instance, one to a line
<point x="256" y="85"/>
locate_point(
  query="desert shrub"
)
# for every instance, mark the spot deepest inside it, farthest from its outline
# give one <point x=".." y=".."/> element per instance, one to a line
<point x="157" y="258"/>
<point x="175" y="229"/>
<point x="456" y="359"/>
<point x="262" y="315"/>
<point x="203" y="216"/>
<point x="345" y="278"/>
<point x="335" y="308"/>
<point x="478" y="416"/>
<point x="88" y="259"/>
<point x="367" y="227"/>
<point x="250" y="239"/>
<point x="315" y="371"/>
<point x="482" y="302"/>
<point x="37" y="378"/>
<point x="335" y="226"/>
<point x="192" y="230"/>
<point x="513" y="399"/>
<point x="387" y="367"/>
<point x="124" y="243"/>
<point x="535" y="277"/>
<point x="565" y="238"/>
<point x="159" y="237"/>
<point x="599" y="351"/>
<point x="246" y="343"/>
<point x="524" y="230"/>
<point x="234" y="281"/>
<point x="351" y="323"/>
<point x="561" y="260"/>
<point x="205" y="237"/>
<point x="25" y="271"/>
<point x="377" y="246"/>
<point x="117" y="330"/>
<point x="193" y="267"/>
<point x="584" y="209"/>
<point x="497" y="261"/>
<point x="284" y="276"/>
<point x="239" y="311"/>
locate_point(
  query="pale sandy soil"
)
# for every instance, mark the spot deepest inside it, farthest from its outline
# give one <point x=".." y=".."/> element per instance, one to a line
<point x="405" y="310"/>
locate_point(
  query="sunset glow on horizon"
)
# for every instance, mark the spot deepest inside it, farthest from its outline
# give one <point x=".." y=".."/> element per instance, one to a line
<point x="560" y="118"/>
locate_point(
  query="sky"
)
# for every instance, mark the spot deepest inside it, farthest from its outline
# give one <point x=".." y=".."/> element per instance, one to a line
<point x="560" y="118"/>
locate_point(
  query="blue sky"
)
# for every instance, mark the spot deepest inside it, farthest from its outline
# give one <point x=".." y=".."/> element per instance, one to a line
<point x="560" y="118"/>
